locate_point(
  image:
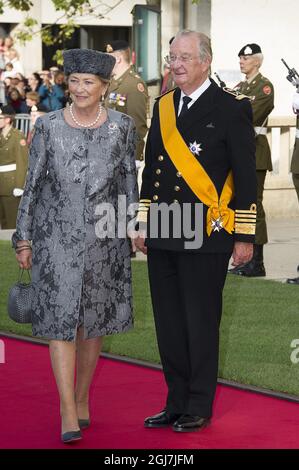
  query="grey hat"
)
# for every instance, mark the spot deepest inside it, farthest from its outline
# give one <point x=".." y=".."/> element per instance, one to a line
<point x="88" y="61"/>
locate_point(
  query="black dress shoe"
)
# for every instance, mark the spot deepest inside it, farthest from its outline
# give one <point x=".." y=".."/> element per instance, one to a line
<point x="71" y="436"/>
<point x="190" y="423"/>
<point x="294" y="280"/>
<point x="161" y="420"/>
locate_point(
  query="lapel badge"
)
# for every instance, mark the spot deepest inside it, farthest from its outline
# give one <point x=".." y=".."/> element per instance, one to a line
<point x="195" y="148"/>
<point x="217" y="224"/>
<point x="112" y="126"/>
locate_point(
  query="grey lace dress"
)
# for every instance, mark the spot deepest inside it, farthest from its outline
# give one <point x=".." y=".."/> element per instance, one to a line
<point x="76" y="273"/>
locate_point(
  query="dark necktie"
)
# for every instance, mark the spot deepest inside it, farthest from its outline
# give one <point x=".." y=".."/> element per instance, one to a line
<point x="184" y="109"/>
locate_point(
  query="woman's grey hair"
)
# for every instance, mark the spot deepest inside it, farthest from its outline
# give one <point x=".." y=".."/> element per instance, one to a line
<point x="260" y="58"/>
<point x="204" y="43"/>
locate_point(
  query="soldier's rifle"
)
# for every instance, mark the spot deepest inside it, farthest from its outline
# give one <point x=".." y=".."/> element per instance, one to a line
<point x="221" y="82"/>
<point x="292" y="76"/>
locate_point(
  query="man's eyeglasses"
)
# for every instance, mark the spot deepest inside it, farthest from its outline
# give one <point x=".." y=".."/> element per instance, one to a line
<point x="185" y="58"/>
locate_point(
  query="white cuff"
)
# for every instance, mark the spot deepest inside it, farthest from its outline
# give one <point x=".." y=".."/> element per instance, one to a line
<point x="17" y="192"/>
<point x="296" y="102"/>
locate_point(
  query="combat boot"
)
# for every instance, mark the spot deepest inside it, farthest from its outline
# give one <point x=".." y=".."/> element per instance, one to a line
<point x="294" y="280"/>
<point x="255" y="267"/>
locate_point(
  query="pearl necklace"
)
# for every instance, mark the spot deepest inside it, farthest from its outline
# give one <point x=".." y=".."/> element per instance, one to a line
<point x="91" y="124"/>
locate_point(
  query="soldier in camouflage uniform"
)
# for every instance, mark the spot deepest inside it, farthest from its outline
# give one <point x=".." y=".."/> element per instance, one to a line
<point x="295" y="166"/>
<point x="127" y="92"/>
<point x="13" y="167"/>
<point x="261" y="93"/>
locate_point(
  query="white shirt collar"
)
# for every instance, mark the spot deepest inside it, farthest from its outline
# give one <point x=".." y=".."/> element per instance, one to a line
<point x="195" y="95"/>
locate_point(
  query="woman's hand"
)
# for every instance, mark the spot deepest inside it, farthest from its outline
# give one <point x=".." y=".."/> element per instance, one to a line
<point x="24" y="254"/>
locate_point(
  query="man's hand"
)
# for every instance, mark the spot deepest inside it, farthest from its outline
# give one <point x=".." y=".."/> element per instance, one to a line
<point x="242" y="253"/>
<point x="140" y="241"/>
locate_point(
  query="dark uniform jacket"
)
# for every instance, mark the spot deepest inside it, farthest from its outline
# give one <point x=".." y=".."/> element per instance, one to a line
<point x="295" y="157"/>
<point x="13" y="150"/>
<point x="128" y="94"/>
<point x="222" y="126"/>
<point x="261" y="93"/>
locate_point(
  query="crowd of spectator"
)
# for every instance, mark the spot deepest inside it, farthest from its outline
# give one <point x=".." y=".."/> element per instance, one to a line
<point x="46" y="87"/>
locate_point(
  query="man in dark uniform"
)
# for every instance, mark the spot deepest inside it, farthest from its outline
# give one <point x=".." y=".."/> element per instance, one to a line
<point x="261" y="93"/>
<point x="295" y="167"/>
<point x="127" y="92"/>
<point x="200" y="149"/>
<point x="13" y="167"/>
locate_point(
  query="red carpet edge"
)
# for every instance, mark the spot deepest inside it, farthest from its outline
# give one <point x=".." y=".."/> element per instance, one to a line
<point x="138" y="362"/>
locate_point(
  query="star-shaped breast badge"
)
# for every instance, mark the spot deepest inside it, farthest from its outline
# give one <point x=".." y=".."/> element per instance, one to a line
<point x="217" y="225"/>
<point x="195" y="148"/>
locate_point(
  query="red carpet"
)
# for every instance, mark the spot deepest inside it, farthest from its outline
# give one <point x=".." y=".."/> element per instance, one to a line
<point x="122" y="396"/>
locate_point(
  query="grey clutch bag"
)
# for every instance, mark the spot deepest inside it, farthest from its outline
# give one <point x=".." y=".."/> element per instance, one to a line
<point x="20" y="300"/>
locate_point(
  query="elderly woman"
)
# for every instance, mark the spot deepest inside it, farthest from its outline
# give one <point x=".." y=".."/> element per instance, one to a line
<point x="82" y="159"/>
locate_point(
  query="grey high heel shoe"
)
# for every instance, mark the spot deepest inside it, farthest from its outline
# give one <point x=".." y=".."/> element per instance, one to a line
<point x="71" y="436"/>
<point x="84" y="423"/>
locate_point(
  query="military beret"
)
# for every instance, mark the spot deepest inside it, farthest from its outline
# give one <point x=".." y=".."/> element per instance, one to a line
<point x="7" y="110"/>
<point x="250" y="49"/>
<point x="88" y="61"/>
<point x="117" y="45"/>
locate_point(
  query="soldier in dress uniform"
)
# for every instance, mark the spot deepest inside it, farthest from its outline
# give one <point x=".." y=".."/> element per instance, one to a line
<point x="127" y="92"/>
<point x="167" y="80"/>
<point x="261" y="93"/>
<point x="295" y="166"/>
<point x="200" y="153"/>
<point x="13" y="167"/>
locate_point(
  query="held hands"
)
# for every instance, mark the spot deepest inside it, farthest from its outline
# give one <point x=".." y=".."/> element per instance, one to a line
<point x="24" y="254"/>
<point x="140" y="241"/>
<point x="242" y="253"/>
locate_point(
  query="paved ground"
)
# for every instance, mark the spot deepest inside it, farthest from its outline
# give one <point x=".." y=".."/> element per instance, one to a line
<point x="281" y="253"/>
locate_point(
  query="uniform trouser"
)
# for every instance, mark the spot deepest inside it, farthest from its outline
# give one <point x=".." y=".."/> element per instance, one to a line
<point x="261" y="236"/>
<point x="296" y="183"/>
<point x="186" y="291"/>
<point x="8" y="211"/>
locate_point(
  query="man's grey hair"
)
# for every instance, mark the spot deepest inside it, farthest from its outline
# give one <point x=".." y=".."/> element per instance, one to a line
<point x="204" y="43"/>
<point x="259" y="56"/>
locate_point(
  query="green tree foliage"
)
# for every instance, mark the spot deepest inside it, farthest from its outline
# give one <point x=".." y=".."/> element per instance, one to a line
<point x="69" y="13"/>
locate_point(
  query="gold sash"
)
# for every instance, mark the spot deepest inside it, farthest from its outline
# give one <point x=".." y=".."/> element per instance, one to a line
<point x="219" y="214"/>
